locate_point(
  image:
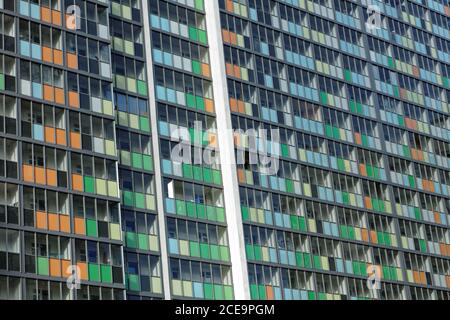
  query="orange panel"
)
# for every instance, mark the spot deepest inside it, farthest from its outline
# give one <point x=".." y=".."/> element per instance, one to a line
<point x="83" y="270"/>
<point x="64" y="223"/>
<point x="241" y="106"/>
<point x="448" y="249"/>
<point x="56" y="17"/>
<point x="237" y="72"/>
<point x="41" y="220"/>
<point x="269" y="292"/>
<point x="47" y="54"/>
<point x="53" y="222"/>
<point x="72" y="60"/>
<point x="365" y="235"/>
<point x="226" y="35"/>
<point x="442" y="249"/>
<point x="209" y="105"/>
<point x="79" y="226"/>
<point x="358" y="138"/>
<point x="229" y="5"/>
<point x="368" y="202"/>
<point x="233" y="38"/>
<point x="77" y="182"/>
<point x="416" y="276"/>
<point x="58" y="56"/>
<point x="49" y="94"/>
<point x="46" y="15"/>
<point x="49" y="134"/>
<point x="206" y="70"/>
<point x="75" y="140"/>
<point x="27" y="172"/>
<point x="59" y="96"/>
<point x="363" y="170"/>
<point x="74" y="101"/>
<point x="447" y="279"/>
<point x="65" y="264"/>
<point x="241" y="175"/>
<point x="55" y="267"/>
<point x="233" y="105"/>
<point x="229" y="69"/>
<point x="212" y="140"/>
<point x="437" y="217"/>
<point x="39" y="174"/>
<point x="373" y="236"/>
<point x="61" y="136"/>
<point x="51" y="177"/>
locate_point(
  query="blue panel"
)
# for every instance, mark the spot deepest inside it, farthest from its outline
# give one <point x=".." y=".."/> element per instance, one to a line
<point x="35" y="11"/>
<point x="198" y="289"/>
<point x="24" y="8"/>
<point x="36" y="51"/>
<point x="38" y="132"/>
<point x="37" y="90"/>
<point x="167" y="166"/>
<point x="170" y="205"/>
<point x="173" y="246"/>
<point x="24" y="48"/>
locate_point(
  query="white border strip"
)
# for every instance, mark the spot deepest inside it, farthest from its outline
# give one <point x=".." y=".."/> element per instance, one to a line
<point x="156" y="153"/>
<point x="227" y="157"/>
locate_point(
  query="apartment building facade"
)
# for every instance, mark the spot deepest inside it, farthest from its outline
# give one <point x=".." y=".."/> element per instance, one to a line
<point x="121" y="178"/>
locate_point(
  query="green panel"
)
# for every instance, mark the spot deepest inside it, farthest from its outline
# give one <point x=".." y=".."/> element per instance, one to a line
<point x="190" y="208"/>
<point x="199" y="5"/>
<point x="128" y="198"/>
<point x="317" y="262"/>
<point x="347" y="75"/>
<point x="302" y="223"/>
<point x="207" y="175"/>
<point x="412" y="181"/>
<point x="211" y="213"/>
<point x="204" y="251"/>
<point x="299" y="259"/>
<point x="217" y="177"/>
<point x="144" y="124"/>
<point x="89" y="184"/>
<point x="133" y="282"/>
<point x="258" y="253"/>
<point x="218" y="292"/>
<point x="423" y="245"/>
<point x="228" y="292"/>
<point x="131" y="239"/>
<point x="262" y="292"/>
<point x="197" y="171"/>
<point x="148" y="162"/>
<point x="201" y="213"/>
<point x="2" y="81"/>
<point x="181" y="207"/>
<point x="245" y="214"/>
<point x="190" y="100"/>
<point x="42" y="266"/>
<point x="215" y="254"/>
<point x="143" y="241"/>
<point x="187" y="171"/>
<point x="344" y="232"/>
<point x="136" y="160"/>
<point x="193" y="34"/>
<point x="139" y="200"/>
<point x="91" y="228"/>
<point x="254" y="294"/>
<point x="194" y="248"/>
<point x="294" y="222"/>
<point x="220" y="212"/>
<point x="196" y="68"/>
<point x="323" y="97"/>
<point x="311" y="295"/>
<point x="249" y="252"/>
<point x="200" y="103"/>
<point x="224" y="253"/>
<point x="307" y="259"/>
<point x="94" y="272"/>
<point x="208" y="290"/>
<point x="142" y="87"/>
<point x="106" y="272"/>
<point x="202" y="36"/>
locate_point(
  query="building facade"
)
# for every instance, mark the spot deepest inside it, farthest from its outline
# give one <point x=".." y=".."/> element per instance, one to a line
<point x="224" y="149"/>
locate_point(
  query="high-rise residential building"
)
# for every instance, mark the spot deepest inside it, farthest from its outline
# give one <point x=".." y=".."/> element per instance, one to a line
<point x="224" y="149"/>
